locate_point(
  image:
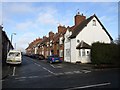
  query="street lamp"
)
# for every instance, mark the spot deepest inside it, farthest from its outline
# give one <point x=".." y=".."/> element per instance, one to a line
<point x="12" y="36"/>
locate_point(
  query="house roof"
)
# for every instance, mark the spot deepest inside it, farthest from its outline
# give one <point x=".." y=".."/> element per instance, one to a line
<point x="44" y="40"/>
<point x="80" y="27"/>
<point x="83" y="45"/>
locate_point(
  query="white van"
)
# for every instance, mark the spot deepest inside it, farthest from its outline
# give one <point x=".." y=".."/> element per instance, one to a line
<point x="14" y="57"/>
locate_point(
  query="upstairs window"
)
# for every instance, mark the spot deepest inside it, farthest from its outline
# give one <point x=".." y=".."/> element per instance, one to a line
<point x="94" y="22"/>
<point x="61" y="53"/>
<point x="51" y="43"/>
<point x="78" y="41"/>
<point x="60" y="40"/>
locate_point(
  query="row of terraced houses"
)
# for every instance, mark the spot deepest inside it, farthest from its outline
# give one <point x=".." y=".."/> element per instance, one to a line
<point x="72" y="43"/>
<point x="49" y="45"/>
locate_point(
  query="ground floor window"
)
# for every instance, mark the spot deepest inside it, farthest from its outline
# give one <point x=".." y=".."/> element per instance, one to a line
<point x="61" y="53"/>
<point x="88" y="53"/>
<point x="67" y="52"/>
<point x="84" y="52"/>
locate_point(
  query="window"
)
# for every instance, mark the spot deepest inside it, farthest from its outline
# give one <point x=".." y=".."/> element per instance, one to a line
<point x="88" y="53"/>
<point x="61" y="53"/>
<point x="67" y="52"/>
<point x="51" y="43"/>
<point x="83" y="52"/>
<point x="14" y="54"/>
<point x="78" y="41"/>
<point x="94" y="22"/>
<point x="47" y="44"/>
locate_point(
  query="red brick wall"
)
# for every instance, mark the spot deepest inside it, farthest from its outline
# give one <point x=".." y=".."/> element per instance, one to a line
<point x="79" y="18"/>
<point x="61" y="29"/>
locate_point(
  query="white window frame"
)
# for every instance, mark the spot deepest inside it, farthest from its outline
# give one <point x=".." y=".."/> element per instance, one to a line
<point x="51" y="43"/>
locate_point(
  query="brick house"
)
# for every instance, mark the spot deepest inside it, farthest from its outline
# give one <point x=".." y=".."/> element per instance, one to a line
<point x="50" y="43"/>
<point x="53" y="44"/>
<point x="44" y="46"/>
<point x="61" y="31"/>
<point x="32" y="49"/>
<point x="56" y="44"/>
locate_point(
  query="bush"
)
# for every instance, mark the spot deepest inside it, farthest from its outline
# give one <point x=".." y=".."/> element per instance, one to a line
<point x="102" y="53"/>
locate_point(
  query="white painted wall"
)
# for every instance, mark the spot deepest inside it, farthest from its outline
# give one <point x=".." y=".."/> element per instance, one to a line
<point x="67" y="46"/>
<point x="89" y="34"/>
<point x="92" y="33"/>
<point x="73" y="50"/>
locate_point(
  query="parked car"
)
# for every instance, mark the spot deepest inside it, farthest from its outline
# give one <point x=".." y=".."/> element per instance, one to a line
<point x="37" y="56"/>
<point x="41" y="57"/>
<point x="14" y="57"/>
<point x="54" y="58"/>
<point x="32" y="55"/>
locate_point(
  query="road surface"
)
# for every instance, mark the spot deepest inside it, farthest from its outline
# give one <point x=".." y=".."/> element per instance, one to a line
<point x="34" y="73"/>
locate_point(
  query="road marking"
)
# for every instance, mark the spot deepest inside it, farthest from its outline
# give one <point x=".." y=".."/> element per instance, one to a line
<point x="57" y="66"/>
<point x="37" y="64"/>
<point x="13" y="71"/>
<point x="85" y="71"/>
<point x="68" y="72"/>
<point x="21" y="78"/>
<point x="59" y="73"/>
<point x="52" y="65"/>
<point x="77" y="72"/>
<point x="45" y="68"/>
<point x="33" y="76"/>
<point x="88" y="86"/>
<point x="48" y="70"/>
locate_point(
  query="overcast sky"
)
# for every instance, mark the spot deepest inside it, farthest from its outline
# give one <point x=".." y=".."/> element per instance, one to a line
<point x="30" y="20"/>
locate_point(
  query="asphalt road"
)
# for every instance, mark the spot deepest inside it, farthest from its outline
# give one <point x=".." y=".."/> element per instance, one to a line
<point x="40" y="74"/>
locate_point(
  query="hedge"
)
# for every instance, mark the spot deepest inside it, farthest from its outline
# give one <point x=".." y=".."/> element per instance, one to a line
<point x="102" y="53"/>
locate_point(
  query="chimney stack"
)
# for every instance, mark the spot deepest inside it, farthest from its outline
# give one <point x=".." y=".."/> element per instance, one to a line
<point x="61" y="29"/>
<point x="51" y="34"/>
<point x="79" y="18"/>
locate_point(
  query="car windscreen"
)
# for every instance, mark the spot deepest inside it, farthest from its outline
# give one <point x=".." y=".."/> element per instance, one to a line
<point x="17" y="54"/>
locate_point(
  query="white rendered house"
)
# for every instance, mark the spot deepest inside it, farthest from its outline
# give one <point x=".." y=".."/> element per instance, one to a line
<point x="78" y="40"/>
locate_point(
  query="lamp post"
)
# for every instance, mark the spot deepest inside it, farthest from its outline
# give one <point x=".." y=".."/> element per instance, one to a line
<point x="12" y="36"/>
